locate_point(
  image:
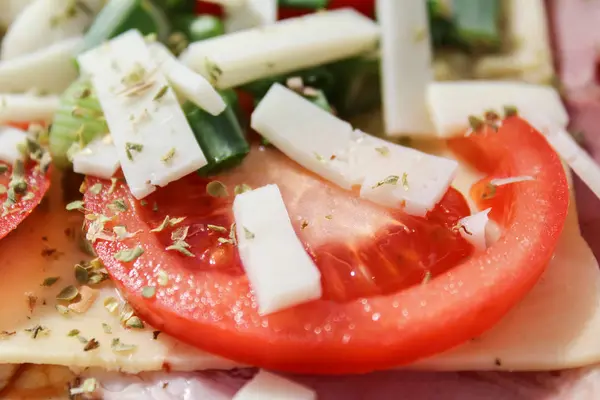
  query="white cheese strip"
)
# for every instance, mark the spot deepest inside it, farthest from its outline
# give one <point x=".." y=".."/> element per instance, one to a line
<point x="250" y="14"/>
<point x="328" y="146"/>
<point x="279" y="270"/>
<point x="28" y="262"/>
<point x="451" y="103"/>
<point x="155" y="126"/>
<point x="473" y="229"/>
<point x="288" y="45"/>
<point x="267" y="386"/>
<point x="10" y="139"/>
<point x="530" y="58"/>
<point x="27" y="108"/>
<point x="51" y="69"/>
<point x="406" y="66"/>
<point x="189" y="84"/>
<point x="99" y="158"/>
<point x="44" y="22"/>
<point x="512" y="179"/>
<point x="304" y="132"/>
<point x="563" y="143"/>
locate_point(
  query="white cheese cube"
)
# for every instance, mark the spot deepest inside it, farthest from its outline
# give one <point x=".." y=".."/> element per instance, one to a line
<point x="421" y="179"/>
<point x="451" y="103"/>
<point x="329" y="147"/>
<point x="473" y="229"/>
<point x="99" y="158"/>
<point x="250" y="14"/>
<point x="302" y="131"/>
<point x="155" y="144"/>
<point x="288" y="45"/>
<point x="10" y="139"/>
<point x="406" y="66"/>
<point x="279" y="270"/>
<point x="27" y="108"/>
<point x="51" y="69"/>
<point x="267" y="386"/>
<point x="191" y="85"/>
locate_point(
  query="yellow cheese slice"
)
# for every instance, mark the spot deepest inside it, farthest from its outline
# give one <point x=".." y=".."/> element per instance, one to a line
<point x="555" y="327"/>
<point x="43" y="246"/>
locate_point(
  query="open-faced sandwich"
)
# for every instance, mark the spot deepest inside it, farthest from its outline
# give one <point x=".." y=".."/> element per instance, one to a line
<point x="261" y="199"/>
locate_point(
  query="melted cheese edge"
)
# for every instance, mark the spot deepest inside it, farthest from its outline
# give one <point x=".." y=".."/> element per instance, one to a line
<point x="555" y="327"/>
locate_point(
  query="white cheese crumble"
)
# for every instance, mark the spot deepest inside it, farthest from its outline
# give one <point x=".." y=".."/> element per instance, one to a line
<point x="279" y="269"/>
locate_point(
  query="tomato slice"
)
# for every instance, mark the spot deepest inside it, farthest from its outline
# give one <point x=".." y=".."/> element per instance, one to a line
<point x="375" y="312"/>
<point x="37" y="186"/>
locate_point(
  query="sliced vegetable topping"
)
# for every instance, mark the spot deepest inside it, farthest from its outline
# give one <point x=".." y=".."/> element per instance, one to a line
<point x="22" y="188"/>
<point x="77" y="122"/>
<point x="221" y="137"/>
<point x="375" y="313"/>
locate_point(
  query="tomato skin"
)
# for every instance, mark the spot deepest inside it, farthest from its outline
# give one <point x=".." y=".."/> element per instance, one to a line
<point x="38" y="185"/>
<point x="367" y="334"/>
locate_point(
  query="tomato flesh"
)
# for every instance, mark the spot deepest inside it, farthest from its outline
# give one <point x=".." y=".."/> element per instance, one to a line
<point x="374" y="313"/>
<point x="37" y="185"/>
<point x="398" y="255"/>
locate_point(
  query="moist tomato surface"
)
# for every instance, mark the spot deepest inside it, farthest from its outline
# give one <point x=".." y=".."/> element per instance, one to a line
<point x="37" y="186"/>
<point x="396" y="287"/>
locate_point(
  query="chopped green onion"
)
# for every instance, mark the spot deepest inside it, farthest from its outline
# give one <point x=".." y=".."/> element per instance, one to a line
<point x="357" y="86"/>
<point x="199" y="27"/>
<point x="221" y="138"/>
<point x="78" y="120"/>
<point x="478" y="22"/>
<point x="306" y="4"/>
<point x="119" y="16"/>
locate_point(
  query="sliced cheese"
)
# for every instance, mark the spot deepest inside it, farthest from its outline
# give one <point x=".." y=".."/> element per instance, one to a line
<point x="54" y="21"/>
<point x="451" y="103"/>
<point x="280" y="271"/>
<point x="288" y="45"/>
<point x="10" y="141"/>
<point x="267" y="386"/>
<point x="47" y="244"/>
<point x="473" y="229"/>
<point x="406" y="66"/>
<point x="390" y="174"/>
<point x="51" y="69"/>
<point x="27" y="107"/>
<point x="189" y="84"/>
<point x="555" y="327"/>
<point x="145" y="118"/>
<point x="99" y="158"/>
<point x="250" y="14"/>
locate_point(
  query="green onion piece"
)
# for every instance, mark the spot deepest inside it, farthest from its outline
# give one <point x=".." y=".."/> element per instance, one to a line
<point x="199" y="27"/>
<point x="444" y="32"/>
<point x="119" y="16"/>
<point x="79" y="118"/>
<point x="307" y="4"/>
<point x="478" y="22"/>
<point x="221" y="138"/>
<point x="357" y="85"/>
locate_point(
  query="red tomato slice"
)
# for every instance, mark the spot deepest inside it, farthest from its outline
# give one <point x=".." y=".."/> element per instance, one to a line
<point x="37" y="186"/>
<point x="375" y="313"/>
